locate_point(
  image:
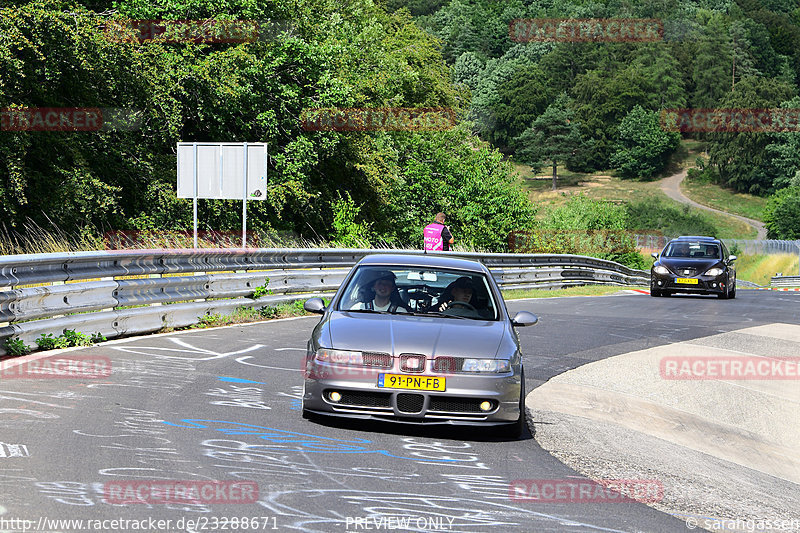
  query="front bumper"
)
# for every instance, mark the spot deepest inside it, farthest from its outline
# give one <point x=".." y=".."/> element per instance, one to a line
<point x="704" y="285"/>
<point x="458" y="404"/>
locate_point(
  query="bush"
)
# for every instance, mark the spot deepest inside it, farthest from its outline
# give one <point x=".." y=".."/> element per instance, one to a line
<point x="16" y="347"/>
<point x="672" y="221"/>
<point x="644" y="146"/>
<point x="261" y="290"/>
<point x="782" y="214"/>
<point x="629" y="259"/>
<point x="347" y="233"/>
<point x="702" y="175"/>
<point x="48" y="342"/>
<point x="76" y="338"/>
<point x="584" y="213"/>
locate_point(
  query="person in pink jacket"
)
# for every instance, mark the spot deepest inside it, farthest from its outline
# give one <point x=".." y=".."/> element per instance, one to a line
<point x="437" y="236"/>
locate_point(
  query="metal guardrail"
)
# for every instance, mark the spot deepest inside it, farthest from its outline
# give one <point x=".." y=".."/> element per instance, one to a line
<point x="785" y="281"/>
<point x="117" y="293"/>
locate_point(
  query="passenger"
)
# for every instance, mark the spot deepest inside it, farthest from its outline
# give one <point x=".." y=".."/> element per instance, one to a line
<point x="680" y="250"/>
<point x="382" y="294"/>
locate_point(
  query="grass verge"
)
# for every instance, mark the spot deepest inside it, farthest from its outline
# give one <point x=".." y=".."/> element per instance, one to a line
<point x="713" y="195"/>
<point x="760" y="268"/>
<point x="586" y="290"/>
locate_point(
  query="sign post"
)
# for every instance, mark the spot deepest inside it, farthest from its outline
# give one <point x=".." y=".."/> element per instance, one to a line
<point x="226" y="171"/>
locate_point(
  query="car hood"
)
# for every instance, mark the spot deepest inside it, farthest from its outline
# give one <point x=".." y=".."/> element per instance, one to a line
<point x="431" y="336"/>
<point x="677" y="263"/>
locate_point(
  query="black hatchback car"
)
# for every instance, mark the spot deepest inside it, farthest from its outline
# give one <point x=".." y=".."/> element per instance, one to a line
<point x="698" y="265"/>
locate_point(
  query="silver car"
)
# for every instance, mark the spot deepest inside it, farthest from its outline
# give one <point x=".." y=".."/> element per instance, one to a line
<point x="420" y="339"/>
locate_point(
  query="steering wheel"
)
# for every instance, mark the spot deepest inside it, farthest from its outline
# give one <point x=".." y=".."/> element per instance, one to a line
<point x="466" y="305"/>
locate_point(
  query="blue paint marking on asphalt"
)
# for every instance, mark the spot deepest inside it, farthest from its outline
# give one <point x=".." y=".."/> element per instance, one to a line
<point x="239" y="380"/>
<point x="303" y="441"/>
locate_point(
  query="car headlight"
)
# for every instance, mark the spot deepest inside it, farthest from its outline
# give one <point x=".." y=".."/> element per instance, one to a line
<point x="486" y="365"/>
<point x="341" y="357"/>
<point x="716" y="271"/>
<point x="658" y="269"/>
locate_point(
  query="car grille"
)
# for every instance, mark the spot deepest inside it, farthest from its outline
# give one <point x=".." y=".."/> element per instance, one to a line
<point x="456" y="405"/>
<point x="365" y="399"/>
<point x="407" y="358"/>
<point x="377" y="359"/>
<point x="448" y="364"/>
<point x="410" y="403"/>
<point x="687" y="271"/>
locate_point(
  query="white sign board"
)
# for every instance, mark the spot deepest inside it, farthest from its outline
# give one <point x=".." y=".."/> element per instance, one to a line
<point x="220" y="170"/>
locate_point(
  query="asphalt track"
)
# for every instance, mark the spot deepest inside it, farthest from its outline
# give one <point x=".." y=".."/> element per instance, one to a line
<point x="224" y="404"/>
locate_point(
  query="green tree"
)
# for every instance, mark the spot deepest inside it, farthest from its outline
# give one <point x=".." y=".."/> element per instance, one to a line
<point x="712" y="65"/>
<point x="782" y="214"/>
<point x="644" y="147"/>
<point x="455" y="173"/>
<point x="782" y="155"/>
<point x="554" y="136"/>
<point x="520" y="101"/>
<point x="467" y="69"/>
<point x="740" y="157"/>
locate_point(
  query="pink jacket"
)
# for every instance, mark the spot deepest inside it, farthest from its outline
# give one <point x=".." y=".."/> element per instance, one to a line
<point x="433" y="237"/>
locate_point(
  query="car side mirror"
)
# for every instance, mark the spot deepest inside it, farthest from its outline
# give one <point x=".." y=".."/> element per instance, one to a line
<point x="731" y="258"/>
<point x="314" y="305"/>
<point x="654" y="254"/>
<point x="524" y="318"/>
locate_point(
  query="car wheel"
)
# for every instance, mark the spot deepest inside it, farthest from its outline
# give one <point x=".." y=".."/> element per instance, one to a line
<point x="723" y="295"/>
<point x="515" y="429"/>
<point x="655" y="293"/>
<point x="666" y="293"/>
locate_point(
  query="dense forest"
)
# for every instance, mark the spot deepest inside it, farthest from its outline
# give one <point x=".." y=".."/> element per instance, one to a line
<point x="382" y="186"/>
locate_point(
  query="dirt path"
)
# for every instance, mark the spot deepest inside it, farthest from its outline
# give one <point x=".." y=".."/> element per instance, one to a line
<point x="672" y="188"/>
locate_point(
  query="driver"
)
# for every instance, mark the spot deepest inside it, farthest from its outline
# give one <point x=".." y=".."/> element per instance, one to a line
<point x="461" y="290"/>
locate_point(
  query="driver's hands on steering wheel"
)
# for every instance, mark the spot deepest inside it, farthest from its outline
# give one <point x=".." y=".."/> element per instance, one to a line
<point x="447" y="305"/>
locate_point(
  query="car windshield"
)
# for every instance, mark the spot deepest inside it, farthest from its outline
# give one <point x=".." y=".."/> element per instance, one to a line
<point x="698" y="250"/>
<point x="417" y="290"/>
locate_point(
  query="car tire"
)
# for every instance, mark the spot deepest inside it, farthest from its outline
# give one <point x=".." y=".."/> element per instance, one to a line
<point x="655" y="293"/>
<point x="666" y="293"/>
<point x="723" y="295"/>
<point x="516" y="429"/>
